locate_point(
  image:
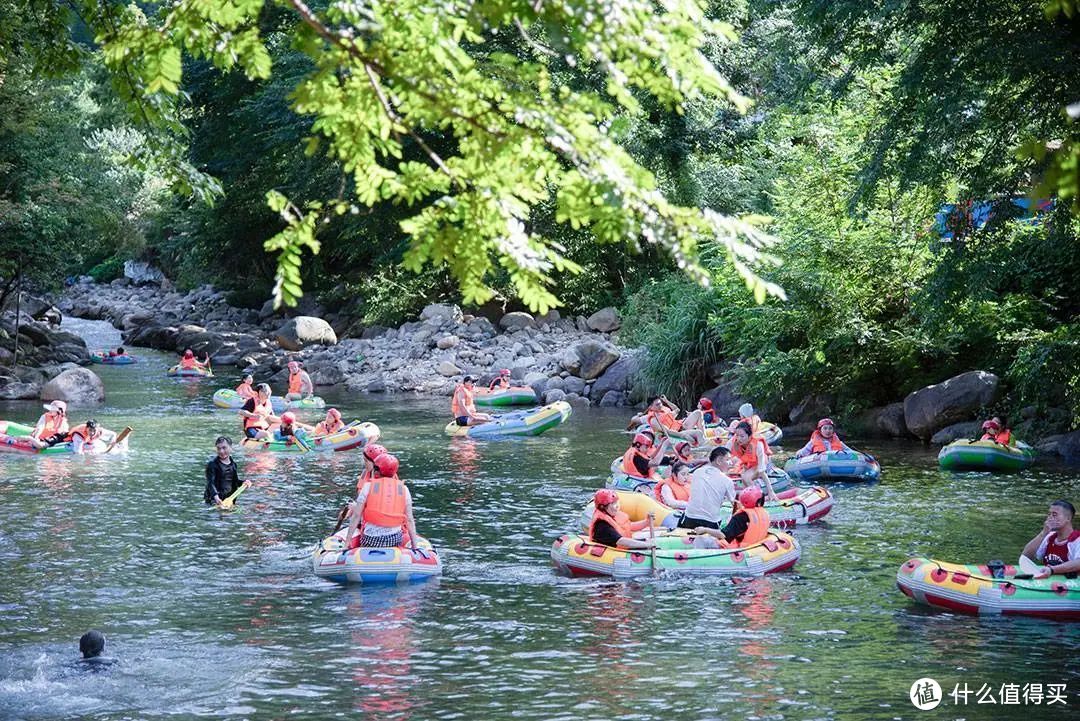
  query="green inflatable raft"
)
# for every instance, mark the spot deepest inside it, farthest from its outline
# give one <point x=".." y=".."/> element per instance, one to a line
<point x="964" y="455"/>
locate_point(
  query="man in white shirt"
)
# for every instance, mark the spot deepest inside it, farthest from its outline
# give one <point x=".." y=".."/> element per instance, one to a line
<point x="710" y="488"/>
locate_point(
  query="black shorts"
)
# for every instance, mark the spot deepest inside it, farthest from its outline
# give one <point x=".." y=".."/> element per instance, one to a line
<point x="251" y="432"/>
<point x="462" y="420"/>
<point x="687" y="522"/>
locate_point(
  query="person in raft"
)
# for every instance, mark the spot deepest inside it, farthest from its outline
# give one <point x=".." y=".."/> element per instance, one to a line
<point x="674" y="491"/>
<point x="188" y="361"/>
<point x="258" y="414"/>
<point x="822" y="440"/>
<point x="383" y="510"/>
<point x="84" y="436"/>
<point x="370" y="453"/>
<point x="332" y="423"/>
<point x="661" y="417"/>
<point x="118" y="353"/>
<point x="710" y="488"/>
<point x="500" y="382"/>
<point x="289" y="428"/>
<point x="612" y="527"/>
<point x="300" y="385"/>
<point x="995" y="430"/>
<point x="222" y="477"/>
<point x="463" y="407"/>
<point x="641" y="459"/>
<point x="751" y="454"/>
<point x="245" y="390"/>
<point x="747" y="526"/>
<point x="1058" y="545"/>
<point x="52" y="427"/>
<point x="681" y="452"/>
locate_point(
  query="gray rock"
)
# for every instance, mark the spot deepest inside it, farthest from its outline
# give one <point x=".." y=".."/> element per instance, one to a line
<point x="573" y="385"/>
<point x="77" y="386"/>
<point x="377" y="385"/>
<point x="516" y="321"/>
<point x="890" y="421"/>
<point x="446" y="342"/>
<point x="555" y="382"/>
<point x="604" y="320"/>
<point x="441" y="312"/>
<point x="14" y="389"/>
<point x="374" y="331"/>
<point x="612" y="399"/>
<point x="1068" y="447"/>
<point x="1049" y="445"/>
<point x="552" y="395"/>
<point x="569" y="361"/>
<point x="142" y="273"/>
<point x="594" y="357"/>
<point x="549" y="318"/>
<point x="267" y="310"/>
<point x="448" y="369"/>
<point x="619" y="376"/>
<point x="726" y="400"/>
<point x="327" y="375"/>
<point x="303" y="331"/>
<point x="812" y="408"/>
<point x="956" y="431"/>
<point x="930" y="409"/>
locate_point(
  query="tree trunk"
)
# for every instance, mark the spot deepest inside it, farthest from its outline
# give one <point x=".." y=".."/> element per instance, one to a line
<point x="18" y="313"/>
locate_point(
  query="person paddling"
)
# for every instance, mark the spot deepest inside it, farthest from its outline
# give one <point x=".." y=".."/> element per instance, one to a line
<point x="463" y="407"/>
<point x="612" y="527"/>
<point x="750" y="452"/>
<point x="822" y="440"/>
<point x="222" y="475"/>
<point x="383" y="510"/>
<point x="84" y="436"/>
<point x="500" y="382"/>
<point x="188" y="361"/>
<point x="51" y="427"/>
<point x="332" y="423"/>
<point x="300" y="385"/>
<point x="258" y="414"/>
<point x="747" y="526"/>
<point x="1058" y="544"/>
<point x="290" y="428"/>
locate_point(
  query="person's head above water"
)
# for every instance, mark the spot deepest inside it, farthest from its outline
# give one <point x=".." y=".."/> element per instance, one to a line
<point x="92" y="644"/>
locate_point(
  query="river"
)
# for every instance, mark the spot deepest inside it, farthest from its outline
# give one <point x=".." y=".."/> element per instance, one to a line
<point x="220" y="615"/>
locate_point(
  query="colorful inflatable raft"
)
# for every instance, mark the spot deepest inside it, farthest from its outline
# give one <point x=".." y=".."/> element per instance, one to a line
<point x="622" y="481"/>
<point x="973" y="589"/>
<point x="177" y="372"/>
<point x="834" y="466"/>
<point x="17" y="430"/>
<point x="22" y="445"/>
<point x="374" y="565"/>
<point x="802" y="506"/>
<point x="228" y="398"/>
<point x="354" y="435"/>
<point x="103" y="357"/>
<point x="513" y="396"/>
<point x="964" y="455"/>
<point x="575" y="555"/>
<point x="531" y="422"/>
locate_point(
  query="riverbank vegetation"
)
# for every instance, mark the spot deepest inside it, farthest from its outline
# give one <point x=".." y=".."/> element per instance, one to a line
<point x="897" y="151"/>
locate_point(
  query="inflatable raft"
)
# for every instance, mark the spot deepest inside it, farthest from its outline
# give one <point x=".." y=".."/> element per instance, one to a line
<point x="228" y="398"/>
<point x="531" y="422"/>
<point x="374" y="565"/>
<point x="622" y="481"/>
<point x="575" y="555"/>
<point x="512" y="396"/>
<point x="354" y="435"/>
<point x="177" y="372"/>
<point x="22" y="445"/>
<point x="802" y="506"/>
<point x="103" y="357"/>
<point x="973" y="589"/>
<point x="769" y="431"/>
<point x="964" y="455"/>
<point x="17" y="430"/>
<point x="834" y="466"/>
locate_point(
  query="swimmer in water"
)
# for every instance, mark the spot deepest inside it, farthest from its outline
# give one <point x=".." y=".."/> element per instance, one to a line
<point x="92" y="647"/>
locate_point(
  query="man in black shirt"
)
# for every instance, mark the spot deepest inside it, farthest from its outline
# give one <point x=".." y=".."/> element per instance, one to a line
<point x="222" y="478"/>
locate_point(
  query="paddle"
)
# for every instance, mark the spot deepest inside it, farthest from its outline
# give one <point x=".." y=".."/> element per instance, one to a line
<point x="227" y="504"/>
<point x="340" y="518"/>
<point x="652" y="548"/>
<point x="119" y="438"/>
<point x="300" y="442"/>
<point x="1028" y="566"/>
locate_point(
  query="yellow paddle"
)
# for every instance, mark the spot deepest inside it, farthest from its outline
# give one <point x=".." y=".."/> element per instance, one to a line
<point x="227" y="504"/>
<point x="119" y="438"/>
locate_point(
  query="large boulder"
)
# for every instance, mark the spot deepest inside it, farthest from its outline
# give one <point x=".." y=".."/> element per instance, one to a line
<point x="890" y="421"/>
<point x="956" y="431"/>
<point x="13" y="388"/>
<point x="605" y="320"/>
<point x="141" y="273"/>
<point x="620" y="375"/>
<point x="1068" y="447"/>
<point x="725" y="400"/>
<point x="441" y="312"/>
<point x="305" y="330"/>
<point x="76" y="386"/>
<point x="811" y="409"/>
<point x="516" y="321"/>
<point x="594" y="357"/>
<point x="930" y="409"/>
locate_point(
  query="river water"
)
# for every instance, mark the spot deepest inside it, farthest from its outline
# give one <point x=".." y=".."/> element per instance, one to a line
<point x="221" y="616"/>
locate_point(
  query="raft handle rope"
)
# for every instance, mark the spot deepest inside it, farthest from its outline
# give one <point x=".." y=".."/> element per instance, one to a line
<point x="1003" y="581"/>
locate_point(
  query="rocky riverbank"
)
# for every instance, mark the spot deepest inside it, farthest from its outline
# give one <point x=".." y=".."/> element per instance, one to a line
<point x="33" y="348"/>
<point x="573" y="359"/>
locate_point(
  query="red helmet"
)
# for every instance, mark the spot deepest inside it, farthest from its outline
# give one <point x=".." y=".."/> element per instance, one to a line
<point x="373" y="451"/>
<point x="387" y="465"/>
<point x="643" y="439"/>
<point x="682" y="448"/>
<point x="334" y="413"/>
<point x="825" y="422"/>
<point x="604" y="497"/>
<point x="288" y="417"/>
<point x="749" y="497"/>
<point x="705" y="403"/>
<point x="991" y="424"/>
<point x="504" y="372"/>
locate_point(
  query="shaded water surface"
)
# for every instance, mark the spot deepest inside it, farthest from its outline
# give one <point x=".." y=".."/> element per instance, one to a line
<point x="220" y="615"/>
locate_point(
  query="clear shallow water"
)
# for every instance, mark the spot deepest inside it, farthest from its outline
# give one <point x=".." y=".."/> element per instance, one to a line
<point x="220" y="615"/>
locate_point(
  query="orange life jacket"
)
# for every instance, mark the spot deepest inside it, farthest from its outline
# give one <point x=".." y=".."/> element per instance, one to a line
<point x="681" y="491"/>
<point x="758" y="528"/>
<point x="80" y="430"/>
<point x="666" y="419"/>
<point x="245" y="391"/>
<point x="819" y="444"/>
<point x="321" y="429"/>
<point x="628" y="466"/>
<point x="188" y="363"/>
<point x="747" y="455"/>
<point x="754" y="421"/>
<point x="262" y="412"/>
<point x="621" y="523"/>
<point x="295" y="380"/>
<point x="461" y="404"/>
<point x="385" y="504"/>
<point x="54" y="423"/>
<point x="1003" y="437"/>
